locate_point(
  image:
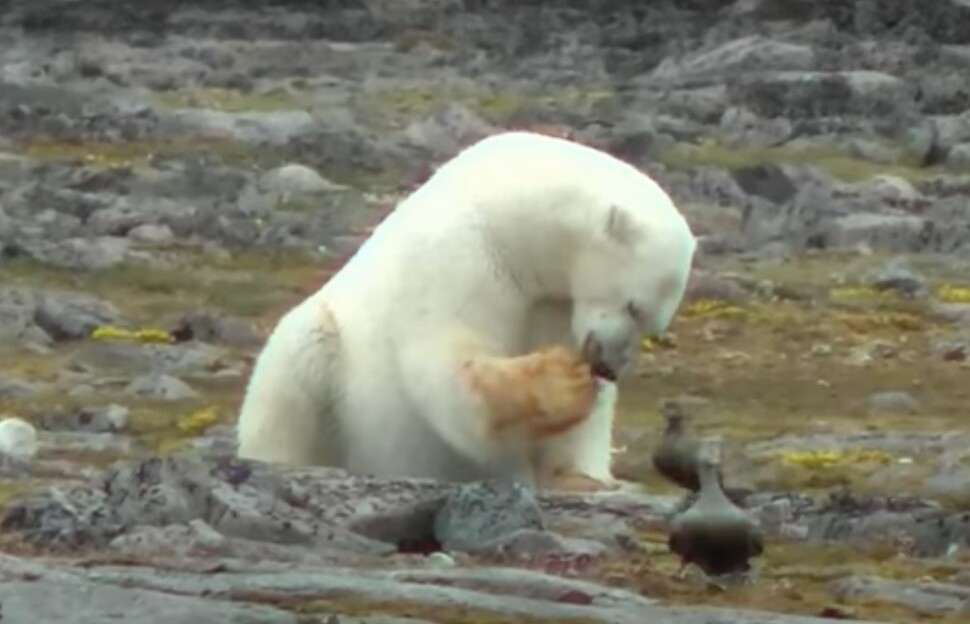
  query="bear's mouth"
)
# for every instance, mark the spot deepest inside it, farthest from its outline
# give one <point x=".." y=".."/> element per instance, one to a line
<point x="592" y="353"/>
<point x="603" y="371"/>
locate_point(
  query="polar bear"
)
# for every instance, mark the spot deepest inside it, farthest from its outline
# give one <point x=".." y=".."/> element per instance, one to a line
<point x="480" y="329"/>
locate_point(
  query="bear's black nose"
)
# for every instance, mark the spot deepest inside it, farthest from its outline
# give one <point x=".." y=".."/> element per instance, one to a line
<point x="603" y="371"/>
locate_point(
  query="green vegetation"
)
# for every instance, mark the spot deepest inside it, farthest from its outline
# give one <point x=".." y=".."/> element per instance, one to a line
<point x="230" y="100"/>
<point x="832" y="159"/>
<point x="129" y="154"/>
<point x="272" y="279"/>
<point x="395" y="107"/>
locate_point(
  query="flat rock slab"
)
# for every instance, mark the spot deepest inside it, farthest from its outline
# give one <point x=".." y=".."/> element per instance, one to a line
<point x="95" y="594"/>
<point x="77" y="601"/>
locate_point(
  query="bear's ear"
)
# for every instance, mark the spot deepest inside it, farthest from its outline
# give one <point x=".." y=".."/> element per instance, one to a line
<point x="620" y="226"/>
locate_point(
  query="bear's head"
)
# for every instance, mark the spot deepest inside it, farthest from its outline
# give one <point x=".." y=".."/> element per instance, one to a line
<point x="628" y="282"/>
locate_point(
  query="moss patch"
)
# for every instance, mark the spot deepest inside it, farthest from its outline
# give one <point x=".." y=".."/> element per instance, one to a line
<point x="805" y="366"/>
<point x="230" y="100"/>
<point x="831" y="159"/>
<point x="248" y="284"/>
<point x="793" y="578"/>
<point x="129" y="154"/>
<point x="395" y="107"/>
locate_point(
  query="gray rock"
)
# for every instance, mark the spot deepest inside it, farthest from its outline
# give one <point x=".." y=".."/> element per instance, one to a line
<point x="896" y="276"/>
<point x="750" y="54"/>
<point x="768" y="181"/>
<point x="80" y="254"/>
<point x="216" y="327"/>
<point x="59" y="601"/>
<point x="15" y="388"/>
<point x="446" y="130"/>
<point x="894" y="401"/>
<point x="17" y="308"/>
<point x="100" y="419"/>
<point x="151" y="233"/>
<point x="72" y="316"/>
<point x="293" y="178"/>
<point x="923" y="596"/>
<point x="742" y="128"/>
<point x="526" y="544"/>
<point x="873" y="151"/>
<point x="273" y="128"/>
<point x="184" y="359"/>
<point x="478" y="514"/>
<point x="84" y="442"/>
<point x="959" y="156"/>
<point x="796" y="94"/>
<point x="161" y="386"/>
<point x="704" y="104"/>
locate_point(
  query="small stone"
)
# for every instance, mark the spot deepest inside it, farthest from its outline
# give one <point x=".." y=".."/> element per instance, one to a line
<point x="15" y="388"/>
<point x="111" y="418"/>
<point x="900" y="278"/>
<point x="821" y="350"/>
<point x="894" y="401"/>
<point x="18" y="438"/>
<point x="294" y="178"/>
<point x="160" y="386"/>
<point x="439" y="560"/>
<point x="151" y="233"/>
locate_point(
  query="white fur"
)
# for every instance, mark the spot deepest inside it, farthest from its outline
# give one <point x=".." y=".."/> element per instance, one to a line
<point x="520" y="241"/>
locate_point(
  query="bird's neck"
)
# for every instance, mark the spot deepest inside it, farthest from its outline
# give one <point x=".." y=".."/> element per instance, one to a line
<point x="710" y="485"/>
<point x="673" y="431"/>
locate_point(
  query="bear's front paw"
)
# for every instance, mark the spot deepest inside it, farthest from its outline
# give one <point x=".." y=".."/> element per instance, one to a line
<point x="577" y="482"/>
<point x="564" y="390"/>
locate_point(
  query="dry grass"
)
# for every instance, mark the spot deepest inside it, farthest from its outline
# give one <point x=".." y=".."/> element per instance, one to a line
<point x="272" y="280"/>
<point x="763" y="373"/>
<point x="231" y="100"/>
<point x="755" y="363"/>
<point x="791" y="578"/>
<point x="831" y="159"/>
<point x="394" y="108"/>
<point x="131" y="154"/>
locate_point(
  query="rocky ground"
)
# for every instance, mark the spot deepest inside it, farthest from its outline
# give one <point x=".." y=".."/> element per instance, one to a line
<point x="173" y="176"/>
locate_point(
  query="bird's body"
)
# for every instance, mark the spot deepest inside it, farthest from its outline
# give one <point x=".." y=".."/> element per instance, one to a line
<point x="714" y="533"/>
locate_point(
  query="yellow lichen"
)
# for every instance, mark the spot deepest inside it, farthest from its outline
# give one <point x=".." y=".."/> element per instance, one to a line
<point x="151" y="336"/>
<point x="664" y="341"/>
<point x="198" y="421"/>
<point x="131" y="154"/>
<point x="712" y="308"/>
<point x="818" y="459"/>
<point x="853" y="293"/>
<point x="953" y="294"/>
<point x="868" y="322"/>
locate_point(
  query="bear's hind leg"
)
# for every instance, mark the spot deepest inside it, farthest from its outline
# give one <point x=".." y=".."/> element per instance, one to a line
<point x="289" y="411"/>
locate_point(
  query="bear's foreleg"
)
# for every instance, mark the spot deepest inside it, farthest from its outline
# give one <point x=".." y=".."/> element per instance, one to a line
<point x="580" y="460"/>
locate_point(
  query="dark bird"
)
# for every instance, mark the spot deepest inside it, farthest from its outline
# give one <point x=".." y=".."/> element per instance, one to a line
<point x="676" y="455"/>
<point x="714" y="534"/>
